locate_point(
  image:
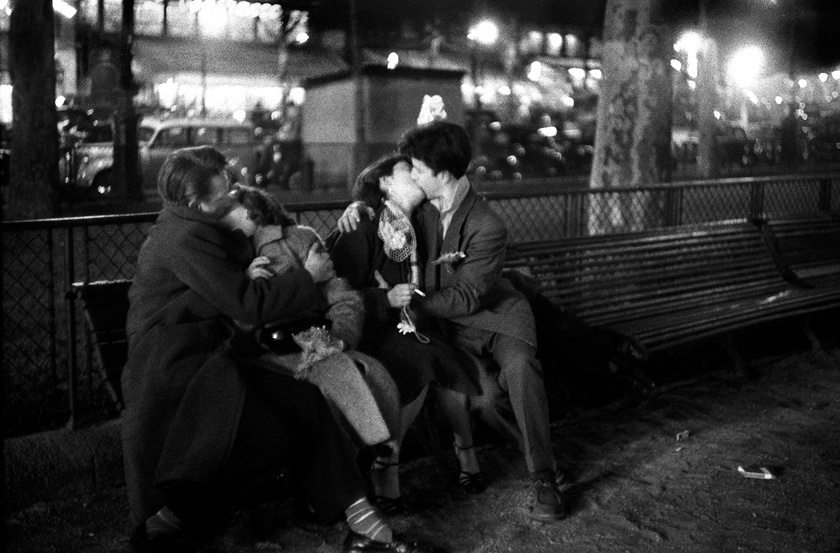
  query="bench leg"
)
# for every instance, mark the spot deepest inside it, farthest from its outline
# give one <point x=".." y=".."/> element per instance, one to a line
<point x="804" y="324"/>
<point x="738" y="364"/>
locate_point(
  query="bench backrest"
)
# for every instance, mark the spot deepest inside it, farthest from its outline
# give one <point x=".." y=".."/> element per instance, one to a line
<point x="620" y="278"/>
<point x="807" y="248"/>
<point x="106" y="308"/>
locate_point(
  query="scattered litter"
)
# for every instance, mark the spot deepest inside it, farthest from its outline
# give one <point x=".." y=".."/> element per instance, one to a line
<point x="760" y="473"/>
<point x="682" y="435"/>
<point x="268" y="546"/>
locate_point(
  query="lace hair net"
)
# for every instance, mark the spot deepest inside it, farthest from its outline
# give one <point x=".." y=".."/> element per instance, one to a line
<point x="397" y="233"/>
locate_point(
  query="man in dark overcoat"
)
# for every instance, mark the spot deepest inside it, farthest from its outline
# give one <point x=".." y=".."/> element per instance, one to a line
<point x="464" y="245"/>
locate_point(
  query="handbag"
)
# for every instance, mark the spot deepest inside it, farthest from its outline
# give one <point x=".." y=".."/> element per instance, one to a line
<point x="278" y="336"/>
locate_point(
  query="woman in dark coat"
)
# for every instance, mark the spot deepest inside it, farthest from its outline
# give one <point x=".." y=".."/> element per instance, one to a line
<point x="381" y="263"/>
<point x="203" y="428"/>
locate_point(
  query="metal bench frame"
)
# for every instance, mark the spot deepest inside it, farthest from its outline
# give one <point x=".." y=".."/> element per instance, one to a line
<point x="671" y="287"/>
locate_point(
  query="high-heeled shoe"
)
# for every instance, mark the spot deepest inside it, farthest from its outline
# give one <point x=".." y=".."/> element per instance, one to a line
<point x="389" y="505"/>
<point x="471" y="482"/>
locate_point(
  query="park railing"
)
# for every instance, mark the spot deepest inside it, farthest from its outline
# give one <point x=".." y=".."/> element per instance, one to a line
<point x="49" y="375"/>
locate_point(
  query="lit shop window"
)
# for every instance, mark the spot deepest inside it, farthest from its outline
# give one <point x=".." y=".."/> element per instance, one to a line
<point x="531" y="43"/>
<point x="112" y="16"/>
<point x="148" y="18"/>
<point x="554" y="44"/>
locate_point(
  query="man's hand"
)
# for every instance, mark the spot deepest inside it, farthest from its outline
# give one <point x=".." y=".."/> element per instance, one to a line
<point x="319" y="264"/>
<point x="400" y="295"/>
<point x="349" y="220"/>
<point x="257" y="268"/>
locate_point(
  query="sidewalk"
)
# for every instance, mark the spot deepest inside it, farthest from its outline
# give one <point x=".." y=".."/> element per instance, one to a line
<point x="634" y="486"/>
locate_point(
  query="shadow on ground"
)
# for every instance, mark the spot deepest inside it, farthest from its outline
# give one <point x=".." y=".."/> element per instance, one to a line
<point x="633" y="486"/>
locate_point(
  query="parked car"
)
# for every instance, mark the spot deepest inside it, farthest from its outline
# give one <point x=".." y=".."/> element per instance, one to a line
<point x="733" y="147"/>
<point x="157" y="139"/>
<point x="516" y="152"/>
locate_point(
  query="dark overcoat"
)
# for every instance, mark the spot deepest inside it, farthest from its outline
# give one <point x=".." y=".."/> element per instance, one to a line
<point x="470" y="290"/>
<point x="183" y="392"/>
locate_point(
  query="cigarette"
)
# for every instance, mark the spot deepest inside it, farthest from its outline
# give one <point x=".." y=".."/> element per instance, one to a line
<point x="420" y="292"/>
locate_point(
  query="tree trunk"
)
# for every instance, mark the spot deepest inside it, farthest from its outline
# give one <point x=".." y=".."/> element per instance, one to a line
<point x="633" y="142"/>
<point x="33" y="175"/>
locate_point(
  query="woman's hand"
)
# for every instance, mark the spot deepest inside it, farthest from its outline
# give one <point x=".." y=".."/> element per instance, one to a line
<point x="400" y="295"/>
<point x="349" y="220"/>
<point x="257" y="268"/>
<point x="319" y="264"/>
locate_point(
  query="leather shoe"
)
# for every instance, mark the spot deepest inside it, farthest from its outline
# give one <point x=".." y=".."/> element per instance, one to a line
<point x="546" y="503"/>
<point x="357" y="543"/>
<point x="139" y="542"/>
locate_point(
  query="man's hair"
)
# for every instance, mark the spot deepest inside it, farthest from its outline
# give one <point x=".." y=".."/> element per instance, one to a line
<point x="185" y="177"/>
<point x="441" y="145"/>
<point x="366" y="187"/>
<point x="262" y="207"/>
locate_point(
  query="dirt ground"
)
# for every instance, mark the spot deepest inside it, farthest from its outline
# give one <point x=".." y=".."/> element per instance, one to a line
<point x="633" y="486"/>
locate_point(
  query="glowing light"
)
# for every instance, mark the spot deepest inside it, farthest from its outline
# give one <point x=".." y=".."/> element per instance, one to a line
<point x="64" y="8"/>
<point x="548" y="132"/>
<point x="779" y="100"/>
<point x="835" y="75"/>
<point x="568" y="101"/>
<point x="751" y="95"/>
<point x="746" y="64"/>
<point x="59" y="101"/>
<point x="302" y="37"/>
<point x="393" y="60"/>
<point x="167" y="93"/>
<point x="496" y="126"/>
<point x="239" y="115"/>
<point x="504" y="90"/>
<point x="717" y="114"/>
<point x="690" y="43"/>
<point x="577" y="73"/>
<point x="676" y="65"/>
<point x="823" y="77"/>
<point x="535" y="71"/>
<point x="692" y="84"/>
<point x="297" y="95"/>
<point x="486" y="32"/>
<point x="595" y="73"/>
<point x="802" y="83"/>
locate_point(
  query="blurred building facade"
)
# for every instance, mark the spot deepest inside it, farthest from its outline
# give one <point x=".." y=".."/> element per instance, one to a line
<point x="227" y="57"/>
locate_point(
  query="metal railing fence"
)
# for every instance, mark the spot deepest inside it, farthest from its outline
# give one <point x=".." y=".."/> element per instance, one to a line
<point x="49" y="378"/>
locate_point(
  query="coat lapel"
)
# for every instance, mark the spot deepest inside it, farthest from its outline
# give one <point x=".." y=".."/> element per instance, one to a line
<point x="452" y="240"/>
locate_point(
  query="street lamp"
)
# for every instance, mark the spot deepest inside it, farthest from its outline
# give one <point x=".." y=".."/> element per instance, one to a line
<point x="483" y="33"/>
<point x="743" y="68"/>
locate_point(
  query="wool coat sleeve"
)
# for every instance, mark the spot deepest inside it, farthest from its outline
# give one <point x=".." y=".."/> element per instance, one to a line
<point x="466" y="286"/>
<point x="344" y="306"/>
<point x="204" y="266"/>
<point x="354" y="256"/>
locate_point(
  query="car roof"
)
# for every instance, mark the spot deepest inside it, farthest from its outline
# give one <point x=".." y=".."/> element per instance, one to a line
<point x="195" y="122"/>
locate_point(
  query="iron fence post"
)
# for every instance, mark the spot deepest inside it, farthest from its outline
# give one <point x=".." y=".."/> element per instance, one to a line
<point x="70" y="295"/>
<point x="756" y="200"/>
<point x="824" y="202"/>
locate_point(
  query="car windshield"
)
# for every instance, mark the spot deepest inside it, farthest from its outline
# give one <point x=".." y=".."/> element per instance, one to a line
<point x="144" y="133"/>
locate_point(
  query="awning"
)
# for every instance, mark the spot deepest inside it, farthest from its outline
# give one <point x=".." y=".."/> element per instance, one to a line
<point x="158" y="59"/>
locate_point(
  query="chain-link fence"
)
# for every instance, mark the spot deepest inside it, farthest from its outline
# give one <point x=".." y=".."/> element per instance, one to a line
<point x="49" y="373"/>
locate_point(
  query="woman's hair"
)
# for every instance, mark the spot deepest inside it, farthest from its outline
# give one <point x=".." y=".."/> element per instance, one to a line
<point x="441" y="145"/>
<point x="186" y="176"/>
<point x="262" y="207"/>
<point x="366" y="188"/>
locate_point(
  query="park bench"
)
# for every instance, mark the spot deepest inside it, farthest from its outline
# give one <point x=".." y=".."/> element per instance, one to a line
<point x="807" y="249"/>
<point x="664" y="287"/>
<point x="670" y="287"/>
<point x="105" y="305"/>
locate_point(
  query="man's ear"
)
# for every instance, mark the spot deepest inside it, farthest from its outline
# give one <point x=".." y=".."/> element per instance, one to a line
<point x="446" y="177"/>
